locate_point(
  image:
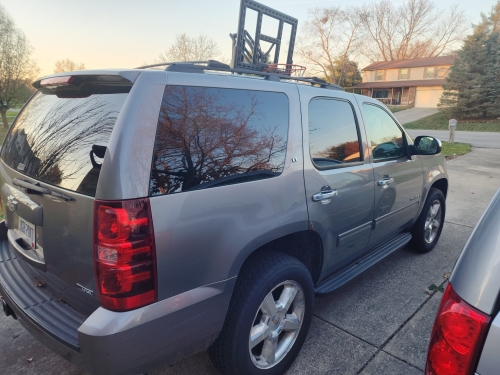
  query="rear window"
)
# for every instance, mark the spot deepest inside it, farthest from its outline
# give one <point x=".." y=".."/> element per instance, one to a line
<point x="61" y="141"/>
<point x="210" y="137"/>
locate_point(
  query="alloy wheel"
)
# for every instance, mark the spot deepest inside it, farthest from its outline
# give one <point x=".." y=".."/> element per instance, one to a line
<point x="277" y="324"/>
<point x="433" y="221"/>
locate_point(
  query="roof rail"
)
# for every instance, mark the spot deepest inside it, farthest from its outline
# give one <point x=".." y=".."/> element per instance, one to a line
<point x="212" y="65"/>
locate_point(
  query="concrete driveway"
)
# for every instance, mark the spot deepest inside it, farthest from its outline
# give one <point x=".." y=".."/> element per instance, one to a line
<point x="378" y="323"/>
<point x="414" y="114"/>
<point x="475" y="139"/>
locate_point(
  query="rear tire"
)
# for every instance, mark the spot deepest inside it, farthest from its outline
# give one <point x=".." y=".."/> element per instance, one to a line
<point x="427" y="229"/>
<point x="268" y="317"/>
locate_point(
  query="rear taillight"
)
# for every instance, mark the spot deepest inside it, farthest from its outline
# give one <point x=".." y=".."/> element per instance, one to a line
<point x="124" y="254"/>
<point x="56" y="81"/>
<point x="457" y="337"/>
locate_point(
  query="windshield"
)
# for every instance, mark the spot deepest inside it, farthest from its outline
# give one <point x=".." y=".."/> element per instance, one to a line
<point x="61" y="141"/>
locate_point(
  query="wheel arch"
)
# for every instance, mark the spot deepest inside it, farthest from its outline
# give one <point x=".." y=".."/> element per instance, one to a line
<point x="441" y="184"/>
<point x="304" y="245"/>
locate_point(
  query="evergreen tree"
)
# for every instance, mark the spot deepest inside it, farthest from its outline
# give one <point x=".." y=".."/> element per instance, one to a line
<point x="472" y="88"/>
<point x="344" y="73"/>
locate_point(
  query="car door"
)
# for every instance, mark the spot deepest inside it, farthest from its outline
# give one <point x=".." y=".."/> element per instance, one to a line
<point x="339" y="181"/>
<point x="398" y="177"/>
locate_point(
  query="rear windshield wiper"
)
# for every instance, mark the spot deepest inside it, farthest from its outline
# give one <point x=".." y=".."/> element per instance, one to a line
<point x="39" y="189"/>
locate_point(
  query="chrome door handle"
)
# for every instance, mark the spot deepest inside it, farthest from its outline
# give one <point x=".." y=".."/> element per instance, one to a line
<point x="323" y="195"/>
<point x="385" y="181"/>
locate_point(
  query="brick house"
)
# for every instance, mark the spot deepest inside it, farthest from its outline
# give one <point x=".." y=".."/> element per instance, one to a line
<point x="410" y="82"/>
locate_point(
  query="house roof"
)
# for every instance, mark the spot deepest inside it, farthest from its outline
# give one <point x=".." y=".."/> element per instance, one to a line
<point x="411" y="63"/>
<point x="401" y="83"/>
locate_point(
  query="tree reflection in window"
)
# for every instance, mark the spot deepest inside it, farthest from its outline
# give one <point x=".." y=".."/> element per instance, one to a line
<point x="333" y="135"/>
<point x="211" y="137"/>
<point x="53" y="137"/>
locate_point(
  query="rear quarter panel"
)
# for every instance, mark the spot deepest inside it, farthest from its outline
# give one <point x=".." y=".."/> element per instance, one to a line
<point x="476" y="276"/>
<point x="127" y="164"/>
<point x="489" y="361"/>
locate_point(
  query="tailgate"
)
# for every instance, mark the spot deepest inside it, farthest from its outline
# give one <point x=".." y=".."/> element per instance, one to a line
<point x="51" y="162"/>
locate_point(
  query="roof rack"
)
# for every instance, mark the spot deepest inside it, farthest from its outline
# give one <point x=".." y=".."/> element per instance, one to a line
<point x="212" y="65"/>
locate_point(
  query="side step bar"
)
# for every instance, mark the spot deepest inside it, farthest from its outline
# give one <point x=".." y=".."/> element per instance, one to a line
<point x="347" y="274"/>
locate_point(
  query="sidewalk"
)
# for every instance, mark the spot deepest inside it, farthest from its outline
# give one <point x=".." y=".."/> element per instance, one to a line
<point x="414" y="114"/>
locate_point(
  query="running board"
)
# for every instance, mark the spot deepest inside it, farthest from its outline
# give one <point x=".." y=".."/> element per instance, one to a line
<point x="350" y="272"/>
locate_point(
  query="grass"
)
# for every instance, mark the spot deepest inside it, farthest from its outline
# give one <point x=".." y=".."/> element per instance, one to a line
<point x="3" y="133"/>
<point x="395" y="109"/>
<point x="11" y="113"/>
<point x="438" y="122"/>
<point x="456" y="148"/>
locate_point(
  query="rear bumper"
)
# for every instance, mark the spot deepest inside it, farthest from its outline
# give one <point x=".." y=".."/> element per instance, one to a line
<point x="110" y="342"/>
<point x="164" y="332"/>
<point x="39" y="333"/>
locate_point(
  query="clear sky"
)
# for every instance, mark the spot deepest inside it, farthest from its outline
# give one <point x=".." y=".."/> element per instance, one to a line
<point x="127" y="33"/>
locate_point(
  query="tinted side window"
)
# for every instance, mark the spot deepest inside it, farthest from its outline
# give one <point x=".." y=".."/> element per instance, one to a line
<point x="210" y="137"/>
<point x="385" y="135"/>
<point x="333" y="134"/>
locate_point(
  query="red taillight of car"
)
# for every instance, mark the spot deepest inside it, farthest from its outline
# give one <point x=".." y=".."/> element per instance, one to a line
<point x="457" y="337"/>
<point x="56" y="81"/>
<point x="124" y="254"/>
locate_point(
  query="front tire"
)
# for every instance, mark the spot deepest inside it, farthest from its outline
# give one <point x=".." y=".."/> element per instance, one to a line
<point x="268" y="318"/>
<point x="427" y="229"/>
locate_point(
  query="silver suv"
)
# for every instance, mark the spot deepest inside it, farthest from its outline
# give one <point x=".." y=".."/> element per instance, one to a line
<point x="152" y="214"/>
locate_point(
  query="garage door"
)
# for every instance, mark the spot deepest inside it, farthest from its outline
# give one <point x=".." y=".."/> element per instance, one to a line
<point x="428" y="97"/>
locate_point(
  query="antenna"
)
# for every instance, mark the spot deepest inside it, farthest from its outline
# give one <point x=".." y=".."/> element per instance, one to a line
<point x="247" y="51"/>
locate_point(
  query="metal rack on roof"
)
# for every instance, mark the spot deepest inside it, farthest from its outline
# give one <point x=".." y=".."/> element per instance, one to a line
<point x="212" y="65"/>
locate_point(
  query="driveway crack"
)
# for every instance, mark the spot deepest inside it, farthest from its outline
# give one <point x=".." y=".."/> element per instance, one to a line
<point x="462" y="225"/>
<point x="381" y="347"/>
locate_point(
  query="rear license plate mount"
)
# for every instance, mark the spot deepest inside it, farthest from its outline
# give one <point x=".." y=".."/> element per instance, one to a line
<point x="27" y="232"/>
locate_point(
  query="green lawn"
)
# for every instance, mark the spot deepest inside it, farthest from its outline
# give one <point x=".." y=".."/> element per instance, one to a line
<point x="438" y="122"/>
<point x="455" y="148"/>
<point x="394" y="109"/>
<point x="11" y="113"/>
<point x="3" y="132"/>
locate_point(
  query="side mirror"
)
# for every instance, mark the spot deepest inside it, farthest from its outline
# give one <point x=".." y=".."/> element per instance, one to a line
<point x="427" y="145"/>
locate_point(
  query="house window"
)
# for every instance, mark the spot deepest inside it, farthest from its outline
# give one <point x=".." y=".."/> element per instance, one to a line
<point x="380" y="94"/>
<point x="442" y="72"/>
<point x="429" y="73"/>
<point x="379" y="75"/>
<point x="404" y="74"/>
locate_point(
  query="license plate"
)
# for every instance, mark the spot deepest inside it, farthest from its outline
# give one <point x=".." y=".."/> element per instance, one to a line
<point x="27" y="231"/>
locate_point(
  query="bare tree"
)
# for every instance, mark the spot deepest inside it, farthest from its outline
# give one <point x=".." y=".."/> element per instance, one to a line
<point x="17" y="67"/>
<point x="332" y="39"/>
<point x="413" y="29"/>
<point x="186" y="48"/>
<point x="67" y="65"/>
